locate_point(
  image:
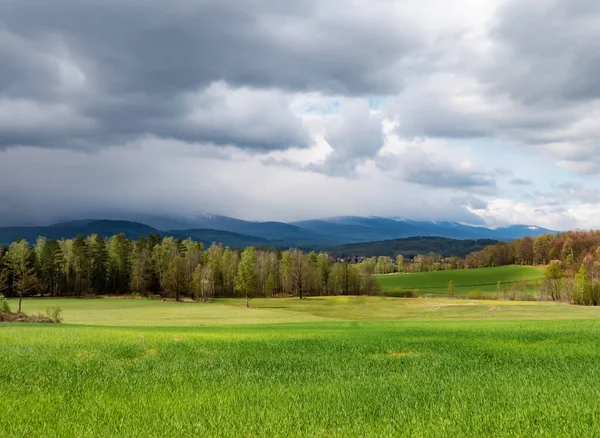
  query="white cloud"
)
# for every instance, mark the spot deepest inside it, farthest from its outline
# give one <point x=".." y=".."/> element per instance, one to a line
<point x="501" y="212"/>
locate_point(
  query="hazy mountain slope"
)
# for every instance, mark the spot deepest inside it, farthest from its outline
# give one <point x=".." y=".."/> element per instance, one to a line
<point x="227" y="238"/>
<point x="133" y="230"/>
<point x="318" y="233"/>
<point x="106" y="228"/>
<point x="365" y="229"/>
<point x="271" y="230"/>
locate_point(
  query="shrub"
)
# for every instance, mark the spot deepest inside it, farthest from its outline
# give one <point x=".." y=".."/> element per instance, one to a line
<point x="527" y="296"/>
<point x="401" y="293"/>
<point x="54" y="314"/>
<point x="476" y="295"/>
<point x="4" y="304"/>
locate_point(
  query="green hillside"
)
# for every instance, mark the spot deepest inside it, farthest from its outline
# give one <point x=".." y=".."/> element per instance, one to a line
<point x="465" y="280"/>
<point x="412" y="246"/>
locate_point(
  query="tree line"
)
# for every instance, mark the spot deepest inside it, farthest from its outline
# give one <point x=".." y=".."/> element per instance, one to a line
<point x="572" y="259"/>
<point x="176" y="269"/>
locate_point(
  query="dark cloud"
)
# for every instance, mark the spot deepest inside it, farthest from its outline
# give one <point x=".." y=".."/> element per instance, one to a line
<point x="451" y="178"/>
<point x="217" y="82"/>
<point x="170" y="178"/>
<point x="419" y="167"/>
<point x="96" y="72"/>
<point x="548" y="50"/>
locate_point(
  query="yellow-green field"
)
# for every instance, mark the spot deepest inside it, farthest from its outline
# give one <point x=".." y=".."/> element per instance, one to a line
<point x="337" y="366"/>
<point x="484" y="280"/>
<point x="146" y="312"/>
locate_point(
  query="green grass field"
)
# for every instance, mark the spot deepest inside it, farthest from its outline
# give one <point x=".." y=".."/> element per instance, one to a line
<point x="346" y="366"/>
<point x="465" y="280"/>
<point x="154" y="313"/>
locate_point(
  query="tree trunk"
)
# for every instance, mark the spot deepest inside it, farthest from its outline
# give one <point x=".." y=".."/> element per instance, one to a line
<point x="20" y="301"/>
<point x="247" y="303"/>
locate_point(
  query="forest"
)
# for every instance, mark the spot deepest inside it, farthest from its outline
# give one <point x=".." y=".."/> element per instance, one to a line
<point x="570" y="249"/>
<point x="573" y="260"/>
<point x="175" y="268"/>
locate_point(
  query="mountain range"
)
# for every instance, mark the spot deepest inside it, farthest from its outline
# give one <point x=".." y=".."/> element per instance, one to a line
<point x="318" y="233"/>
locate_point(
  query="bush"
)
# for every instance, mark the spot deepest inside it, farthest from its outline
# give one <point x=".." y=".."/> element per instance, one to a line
<point x="54" y="314"/>
<point x="4" y="304"/>
<point x="528" y="296"/>
<point x="401" y="293"/>
<point x="22" y="317"/>
<point x="476" y="295"/>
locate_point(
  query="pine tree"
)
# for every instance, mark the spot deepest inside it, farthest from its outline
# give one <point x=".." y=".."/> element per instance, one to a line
<point x="98" y="263"/>
<point x="81" y="259"/>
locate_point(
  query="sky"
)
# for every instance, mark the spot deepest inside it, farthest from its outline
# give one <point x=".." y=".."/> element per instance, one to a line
<point x="482" y="112"/>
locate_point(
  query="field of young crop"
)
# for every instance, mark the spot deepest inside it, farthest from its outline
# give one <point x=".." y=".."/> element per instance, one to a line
<point x="484" y="280"/>
<point x="348" y="366"/>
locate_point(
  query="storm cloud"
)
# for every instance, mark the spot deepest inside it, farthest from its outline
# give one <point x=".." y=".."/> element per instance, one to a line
<point x="210" y="105"/>
<point x="91" y="73"/>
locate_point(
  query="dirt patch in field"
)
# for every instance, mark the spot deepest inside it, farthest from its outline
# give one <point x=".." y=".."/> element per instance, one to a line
<point x="23" y="317"/>
<point x="439" y="306"/>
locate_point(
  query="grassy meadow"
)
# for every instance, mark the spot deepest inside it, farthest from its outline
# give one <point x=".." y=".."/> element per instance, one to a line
<point x="336" y="366"/>
<point x="155" y="313"/>
<point x="465" y="280"/>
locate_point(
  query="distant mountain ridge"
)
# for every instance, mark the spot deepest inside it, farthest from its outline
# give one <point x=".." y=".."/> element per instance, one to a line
<point x="133" y="230"/>
<point x="319" y="233"/>
<point x="354" y="229"/>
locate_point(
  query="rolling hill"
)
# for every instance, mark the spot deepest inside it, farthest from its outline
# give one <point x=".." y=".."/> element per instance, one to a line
<point x="412" y="246"/>
<point x="484" y="280"/>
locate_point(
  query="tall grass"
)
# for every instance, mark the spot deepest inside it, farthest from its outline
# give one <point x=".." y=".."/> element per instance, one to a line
<point x="312" y="379"/>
